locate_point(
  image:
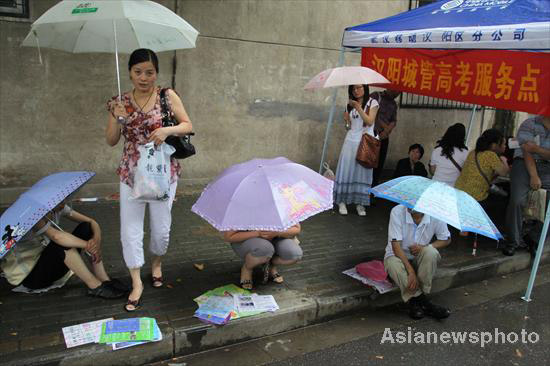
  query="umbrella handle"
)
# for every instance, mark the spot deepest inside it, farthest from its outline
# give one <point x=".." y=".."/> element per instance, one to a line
<point x="474" y="248"/>
<point x="116" y="60"/>
<point x="54" y="224"/>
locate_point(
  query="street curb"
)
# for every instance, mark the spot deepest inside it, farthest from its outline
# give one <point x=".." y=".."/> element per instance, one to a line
<point x="297" y="309"/>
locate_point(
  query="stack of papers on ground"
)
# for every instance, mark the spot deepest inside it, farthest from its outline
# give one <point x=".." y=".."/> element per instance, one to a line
<point x="118" y="333"/>
<point x="230" y="302"/>
<point x="129" y="332"/>
<point x="255" y="303"/>
<point x="380" y="286"/>
<point x="221" y="291"/>
<point x="77" y="335"/>
<point x="216" y="310"/>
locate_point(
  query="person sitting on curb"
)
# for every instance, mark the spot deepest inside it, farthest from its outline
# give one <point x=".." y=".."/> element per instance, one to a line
<point x="45" y="255"/>
<point x="270" y="248"/>
<point x="412" y="164"/>
<point x="530" y="171"/>
<point x="411" y="260"/>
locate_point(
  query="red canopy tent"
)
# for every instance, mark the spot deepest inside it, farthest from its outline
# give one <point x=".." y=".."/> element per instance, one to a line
<point x="486" y="52"/>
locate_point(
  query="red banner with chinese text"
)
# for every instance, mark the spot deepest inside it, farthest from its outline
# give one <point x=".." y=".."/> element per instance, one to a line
<point x="513" y="80"/>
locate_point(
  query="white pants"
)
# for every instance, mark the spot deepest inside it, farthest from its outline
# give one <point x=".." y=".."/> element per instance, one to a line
<point x="132" y="215"/>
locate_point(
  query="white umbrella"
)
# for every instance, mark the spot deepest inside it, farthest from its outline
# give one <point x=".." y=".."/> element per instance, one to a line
<point x="345" y="75"/>
<point x="110" y="26"/>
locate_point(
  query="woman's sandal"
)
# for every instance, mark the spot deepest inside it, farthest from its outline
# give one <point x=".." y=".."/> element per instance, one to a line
<point x="246" y="284"/>
<point x="157" y="282"/>
<point x="135" y="304"/>
<point x="276" y="278"/>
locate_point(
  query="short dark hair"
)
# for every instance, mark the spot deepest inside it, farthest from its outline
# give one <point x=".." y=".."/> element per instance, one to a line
<point x="419" y="147"/>
<point x="488" y="137"/>
<point x="143" y="55"/>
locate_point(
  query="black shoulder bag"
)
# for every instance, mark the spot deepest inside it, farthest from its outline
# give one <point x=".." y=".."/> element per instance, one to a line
<point x="459" y="167"/>
<point x="182" y="144"/>
<point x="493" y="188"/>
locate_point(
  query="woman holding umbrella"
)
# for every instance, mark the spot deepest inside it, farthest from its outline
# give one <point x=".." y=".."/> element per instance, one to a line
<point x="137" y="116"/>
<point x="353" y="181"/>
<point x="44" y="256"/>
<point x="270" y="248"/>
<point x="258" y="206"/>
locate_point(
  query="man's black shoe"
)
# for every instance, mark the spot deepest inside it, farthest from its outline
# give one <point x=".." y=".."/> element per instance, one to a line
<point x="118" y="285"/>
<point x="433" y="310"/>
<point x="509" y="251"/>
<point x="415" y="309"/>
<point x="106" y="291"/>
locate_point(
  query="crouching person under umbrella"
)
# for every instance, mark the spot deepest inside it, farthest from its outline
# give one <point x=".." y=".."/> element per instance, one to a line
<point x="267" y="248"/>
<point x="44" y="256"/>
<point x="411" y="260"/>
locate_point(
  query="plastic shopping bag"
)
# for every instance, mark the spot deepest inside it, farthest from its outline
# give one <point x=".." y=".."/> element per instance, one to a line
<point x="536" y="205"/>
<point x="152" y="177"/>
<point x="328" y="172"/>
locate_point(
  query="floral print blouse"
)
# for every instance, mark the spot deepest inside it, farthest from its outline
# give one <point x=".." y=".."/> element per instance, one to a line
<point x="136" y="131"/>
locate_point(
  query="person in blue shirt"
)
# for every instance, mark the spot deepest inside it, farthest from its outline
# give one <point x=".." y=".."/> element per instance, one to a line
<point x="530" y="171"/>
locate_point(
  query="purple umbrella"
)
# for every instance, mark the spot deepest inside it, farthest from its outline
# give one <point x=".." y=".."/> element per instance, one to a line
<point x="35" y="203"/>
<point x="264" y="194"/>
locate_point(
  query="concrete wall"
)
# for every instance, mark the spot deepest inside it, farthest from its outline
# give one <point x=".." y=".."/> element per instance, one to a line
<point x="242" y="87"/>
<point x="243" y="84"/>
<point x="426" y="126"/>
<point x="52" y="115"/>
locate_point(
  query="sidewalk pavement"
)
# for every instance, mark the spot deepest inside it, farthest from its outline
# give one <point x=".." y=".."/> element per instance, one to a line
<point x="315" y="290"/>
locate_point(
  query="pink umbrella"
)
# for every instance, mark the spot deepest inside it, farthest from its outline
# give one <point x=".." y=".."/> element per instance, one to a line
<point x="345" y="75"/>
<point x="264" y="194"/>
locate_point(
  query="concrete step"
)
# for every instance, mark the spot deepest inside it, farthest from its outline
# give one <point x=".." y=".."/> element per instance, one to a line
<point x="472" y="307"/>
<point x="299" y="307"/>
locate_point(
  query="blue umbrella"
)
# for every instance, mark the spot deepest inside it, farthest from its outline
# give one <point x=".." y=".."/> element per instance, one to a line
<point x="440" y="201"/>
<point x="35" y="203"/>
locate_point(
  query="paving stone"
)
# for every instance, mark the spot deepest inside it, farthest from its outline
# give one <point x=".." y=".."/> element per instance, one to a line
<point x="34" y="342"/>
<point x="331" y="244"/>
<point x="7" y="347"/>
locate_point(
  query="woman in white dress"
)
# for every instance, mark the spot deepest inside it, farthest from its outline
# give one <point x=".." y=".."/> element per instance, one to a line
<point x="449" y="155"/>
<point x="353" y="181"/>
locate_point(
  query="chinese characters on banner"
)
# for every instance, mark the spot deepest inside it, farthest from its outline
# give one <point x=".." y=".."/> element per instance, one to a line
<point x="511" y="80"/>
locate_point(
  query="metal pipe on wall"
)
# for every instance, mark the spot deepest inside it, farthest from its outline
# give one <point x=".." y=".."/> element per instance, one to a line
<point x="471" y="123"/>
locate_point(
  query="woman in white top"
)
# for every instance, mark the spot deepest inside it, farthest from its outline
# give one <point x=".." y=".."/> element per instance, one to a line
<point x="449" y="155"/>
<point x="353" y="181"/>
